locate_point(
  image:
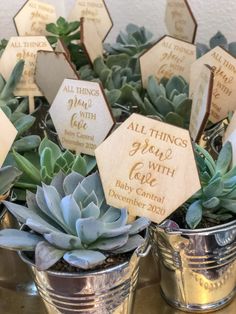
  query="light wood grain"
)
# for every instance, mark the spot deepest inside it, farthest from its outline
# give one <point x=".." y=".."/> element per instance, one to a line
<point x="24" y="48"/>
<point x="148" y="167"/>
<point x="180" y="21"/>
<point x="33" y="17"/>
<point x="201" y="104"/>
<point x="51" y="70"/>
<point x="91" y="40"/>
<point x="81" y="116"/>
<point x="95" y="10"/>
<point x="7" y="135"/>
<point x="166" y="58"/>
<point x="224" y="91"/>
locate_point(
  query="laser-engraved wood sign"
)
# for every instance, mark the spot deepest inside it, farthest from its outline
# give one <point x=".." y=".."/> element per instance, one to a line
<point x="148" y="167"/>
<point x="166" y="58"/>
<point x="81" y="116"/>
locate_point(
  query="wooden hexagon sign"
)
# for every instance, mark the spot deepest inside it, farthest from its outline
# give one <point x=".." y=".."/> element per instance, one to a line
<point x="224" y="90"/>
<point x="95" y="10"/>
<point x="148" y="167"/>
<point x="91" y="40"/>
<point x="7" y="136"/>
<point x="201" y="104"/>
<point x="180" y="21"/>
<point x="24" y="48"/>
<point x="33" y="17"/>
<point x="81" y="116"/>
<point x="168" y="57"/>
<point x="51" y="70"/>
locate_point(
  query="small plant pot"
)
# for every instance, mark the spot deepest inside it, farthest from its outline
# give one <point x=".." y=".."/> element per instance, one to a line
<point x="14" y="274"/>
<point x="197" y="267"/>
<point x="93" y="292"/>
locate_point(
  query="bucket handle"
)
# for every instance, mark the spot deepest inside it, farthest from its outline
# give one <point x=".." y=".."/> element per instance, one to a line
<point x="145" y="253"/>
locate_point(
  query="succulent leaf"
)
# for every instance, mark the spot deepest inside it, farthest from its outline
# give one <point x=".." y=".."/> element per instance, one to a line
<point x="16" y="240"/>
<point x="84" y="259"/>
<point x="46" y="255"/>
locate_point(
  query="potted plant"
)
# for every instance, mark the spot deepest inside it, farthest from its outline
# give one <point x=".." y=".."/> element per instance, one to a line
<point x="197" y="245"/>
<point x="84" y="255"/>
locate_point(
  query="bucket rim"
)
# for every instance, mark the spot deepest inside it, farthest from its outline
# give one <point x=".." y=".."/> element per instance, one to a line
<point x="202" y="231"/>
<point x="88" y="273"/>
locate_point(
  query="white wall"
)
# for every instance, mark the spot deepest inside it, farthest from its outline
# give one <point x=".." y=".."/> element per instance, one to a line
<point x="212" y="15"/>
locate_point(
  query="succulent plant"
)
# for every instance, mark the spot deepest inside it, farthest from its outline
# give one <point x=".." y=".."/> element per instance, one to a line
<point x="167" y="100"/>
<point x="118" y="79"/>
<point x="69" y="34"/>
<point x="216" y="201"/>
<point x="217" y="40"/>
<point x="47" y="162"/>
<point x="71" y="220"/>
<point x="8" y="177"/>
<point x="133" y="42"/>
<point x="16" y="109"/>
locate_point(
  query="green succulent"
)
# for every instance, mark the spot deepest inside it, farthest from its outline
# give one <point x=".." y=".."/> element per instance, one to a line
<point x="167" y="100"/>
<point x="16" y="109"/>
<point x="118" y="79"/>
<point x="69" y="34"/>
<point x="70" y="220"/>
<point x="134" y="42"/>
<point x="8" y="177"/>
<point x="216" y="201"/>
<point x="42" y="166"/>
<point x="217" y="40"/>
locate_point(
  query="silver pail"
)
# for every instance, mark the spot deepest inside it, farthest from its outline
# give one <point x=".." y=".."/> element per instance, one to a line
<point x="197" y="267"/>
<point x="96" y="292"/>
<point x="14" y="274"/>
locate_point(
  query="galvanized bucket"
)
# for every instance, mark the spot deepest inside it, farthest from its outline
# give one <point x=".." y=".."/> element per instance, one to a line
<point x="102" y="292"/>
<point x="14" y="274"/>
<point x="197" y="267"/>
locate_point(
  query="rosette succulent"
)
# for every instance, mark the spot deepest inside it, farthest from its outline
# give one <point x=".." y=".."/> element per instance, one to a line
<point x="69" y="34"/>
<point x="216" y="201"/>
<point x="132" y="42"/>
<point x="167" y="100"/>
<point x="119" y="80"/>
<point x="70" y="220"/>
<point x="217" y="40"/>
<point x="42" y="166"/>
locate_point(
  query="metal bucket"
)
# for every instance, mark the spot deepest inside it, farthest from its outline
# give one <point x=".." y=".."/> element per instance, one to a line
<point x="102" y="292"/>
<point x="197" y="267"/>
<point x="14" y="274"/>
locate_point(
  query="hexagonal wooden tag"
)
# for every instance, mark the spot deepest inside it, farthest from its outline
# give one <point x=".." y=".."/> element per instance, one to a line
<point x="33" y="17"/>
<point x="95" y="10"/>
<point x="24" y="48"/>
<point x="51" y="70"/>
<point x="148" y="167"/>
<point x="91" y="40"/>
<point x="224" y="91"/>
<point x="81" y="116"/>
<point x="61" y="47"/>
<point x="180" y="20"/>
<point x="7" y="136"/>
<point x="201" y="104"/>
<point x="168" y="57"/>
